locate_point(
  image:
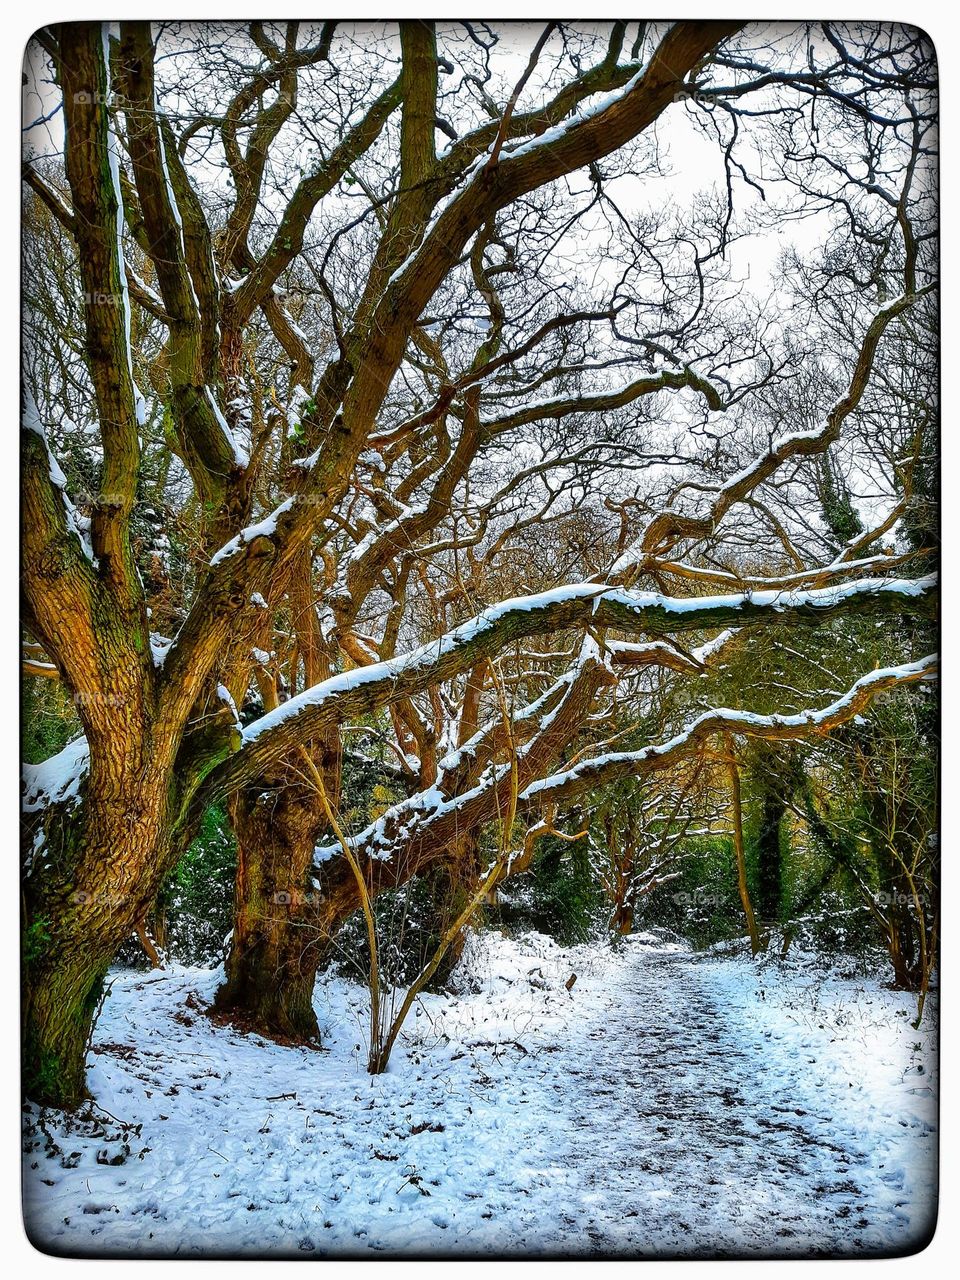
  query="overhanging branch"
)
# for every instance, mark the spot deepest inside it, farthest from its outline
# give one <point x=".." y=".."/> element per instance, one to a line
<point x="360" y="692"/>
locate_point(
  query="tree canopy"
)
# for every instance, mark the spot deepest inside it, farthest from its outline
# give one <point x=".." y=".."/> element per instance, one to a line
<point x="507" y="412"/>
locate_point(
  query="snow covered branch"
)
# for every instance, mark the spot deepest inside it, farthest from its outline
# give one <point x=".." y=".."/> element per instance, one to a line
<point x="609" y="768"/>
<point x="394" y="846"/>
<point x="359" y="692"/>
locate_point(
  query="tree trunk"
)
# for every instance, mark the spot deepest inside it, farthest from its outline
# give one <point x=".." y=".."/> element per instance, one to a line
<point x="60" y="999"/>
<point x="907" y="973"/>
<point x="450" y="884"/>
<point x="903" y="926"/>
<point x="77" y="912"/>
<point x="736" y="804"/>
<point x="622" y="920"/>
<point x="769" y="900"/>
<point x="890" y="825"/>
<point x="775" y="774"/>
<point x="277" y="941"/>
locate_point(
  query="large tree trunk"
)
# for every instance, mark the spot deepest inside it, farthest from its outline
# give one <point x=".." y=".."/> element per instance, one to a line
<point x="102" y="868"/>
<point x="622" y="920"/>
<point x="60" y="997"/>
<point x="277" y="942"/>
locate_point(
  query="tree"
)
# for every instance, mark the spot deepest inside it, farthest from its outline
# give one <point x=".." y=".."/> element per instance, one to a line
<point x="346" y="371"/>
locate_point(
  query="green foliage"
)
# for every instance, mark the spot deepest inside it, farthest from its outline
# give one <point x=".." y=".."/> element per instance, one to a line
<point x="367" y="788"/>
<point x="558" y="896"/>
<point x="771" y="773"/>
<point x="308" y="410"/>
<point x="198" y="897"/>
<point x="49" y="719"/>
<point x="44" y="1080"/>
<point x="703" y="903"/>
<point x="838" y="511"/>
<point x="194" y="910"/>
<point x="36" y="940"/>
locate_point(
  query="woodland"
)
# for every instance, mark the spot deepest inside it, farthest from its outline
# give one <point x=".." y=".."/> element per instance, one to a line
<point x="479" y="481"/>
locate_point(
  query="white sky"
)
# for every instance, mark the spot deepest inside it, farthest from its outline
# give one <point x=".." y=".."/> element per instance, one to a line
<point x="692" y="162"/>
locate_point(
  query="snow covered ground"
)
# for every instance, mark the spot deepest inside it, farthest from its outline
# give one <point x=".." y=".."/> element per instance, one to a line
<point x="670" y="1104"/>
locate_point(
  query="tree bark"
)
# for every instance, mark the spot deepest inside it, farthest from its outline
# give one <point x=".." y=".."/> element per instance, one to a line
<point x="60" y="998"/>
<point x="277" y="942"/>
<point x="103" y="868"/>
<point x="756" y="941"/>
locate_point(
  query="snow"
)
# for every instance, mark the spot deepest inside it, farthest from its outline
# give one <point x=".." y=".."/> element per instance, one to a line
<point x="670" y="1104"/>
<point x="381" y="838"/>
<point x="712" y="647"/>
<point x="240" y="456"/>
<point x="428" y="654"/>
<point x="224" y="694"/>
<point x="159" y="648"/>
<point x="412" y="815"/>
<point x="56" y="779"/>
<point x="465" y="181"/>
<point x="777" y="599"/>
<point x="556" y="134"/>
<point x="113" y="161"/>
<point x="264" y="528"/>
<point x="144" y="288"/>
<point x="789" y="443"/>
<point x="173" y="204"/>
<point x="389" y="530"/>
<point x="424" y="656"/>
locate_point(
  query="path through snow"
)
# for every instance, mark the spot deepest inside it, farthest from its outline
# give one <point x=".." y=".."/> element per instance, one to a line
<point x="733" y="1124"/>
<point x="670" y="1104"/>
